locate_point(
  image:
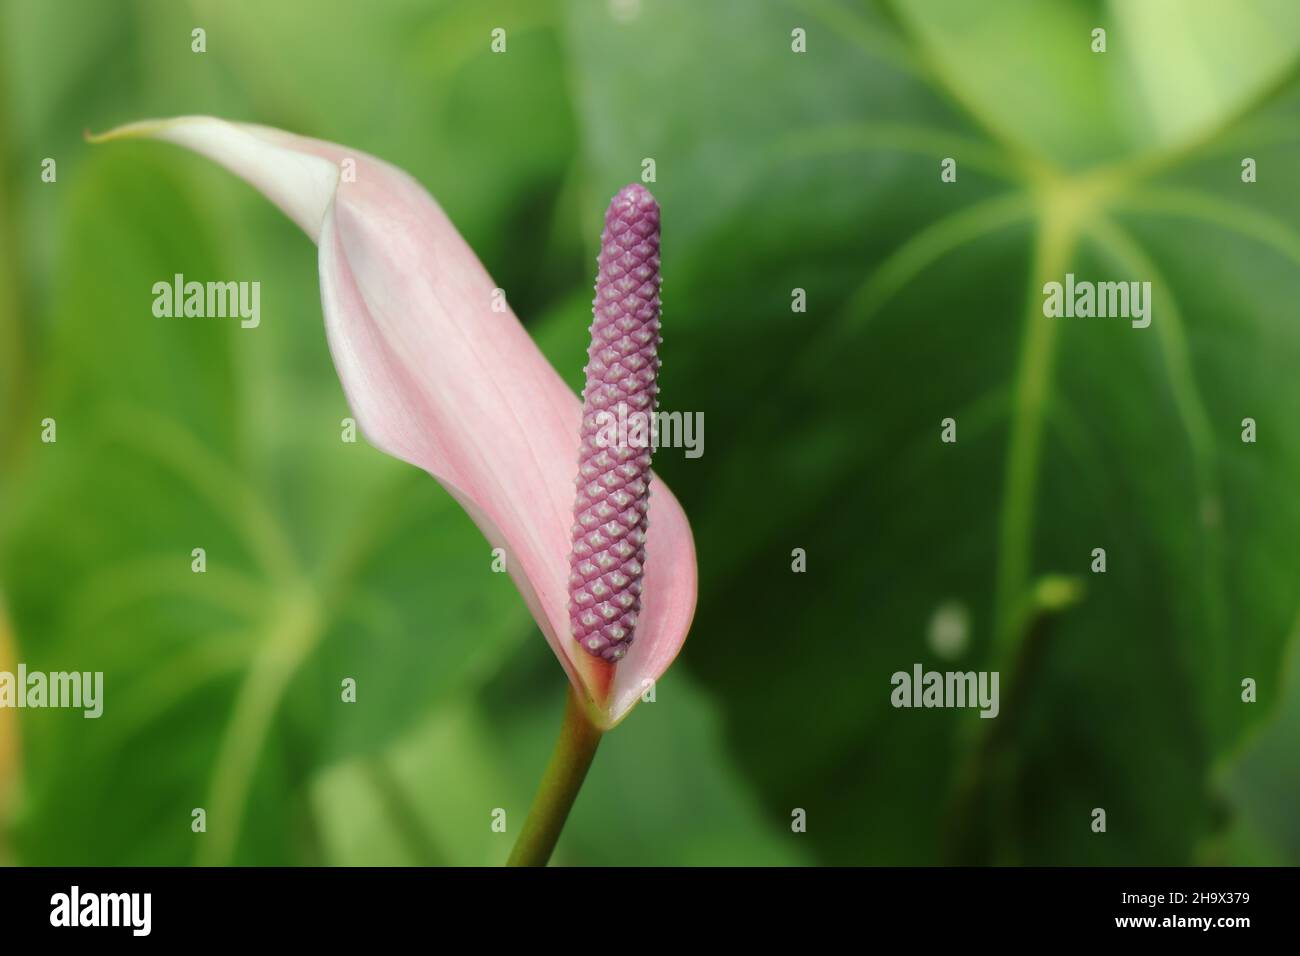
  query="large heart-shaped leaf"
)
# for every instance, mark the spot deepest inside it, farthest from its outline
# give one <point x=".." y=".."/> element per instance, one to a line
<point x="821" y="171"/>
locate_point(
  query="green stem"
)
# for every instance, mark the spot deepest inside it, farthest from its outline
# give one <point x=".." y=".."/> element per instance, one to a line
<point x="559" y="787"/>
<point x="968" y="835"/>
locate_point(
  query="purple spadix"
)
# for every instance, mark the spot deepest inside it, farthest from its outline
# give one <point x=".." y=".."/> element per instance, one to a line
<point x="613" y="493"/>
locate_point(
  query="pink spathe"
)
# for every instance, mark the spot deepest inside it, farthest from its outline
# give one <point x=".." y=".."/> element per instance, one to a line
<point x="436" y="378"/>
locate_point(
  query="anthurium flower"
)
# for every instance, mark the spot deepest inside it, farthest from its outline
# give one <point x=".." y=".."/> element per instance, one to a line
<point x="438" y="378"/>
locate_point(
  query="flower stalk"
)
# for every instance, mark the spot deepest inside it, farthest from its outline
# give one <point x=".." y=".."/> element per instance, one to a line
<point x="574" y="751"/>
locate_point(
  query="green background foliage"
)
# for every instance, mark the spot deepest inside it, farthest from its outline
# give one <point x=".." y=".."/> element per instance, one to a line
<point x="776" y="171"/>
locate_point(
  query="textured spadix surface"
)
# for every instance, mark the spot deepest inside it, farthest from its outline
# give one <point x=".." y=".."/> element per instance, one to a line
<point x="436" y="378"/>
<point x="613" y="483"/>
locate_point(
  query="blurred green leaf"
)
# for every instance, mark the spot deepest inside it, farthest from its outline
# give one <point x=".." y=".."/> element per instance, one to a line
<point x="325" y="559"/>
<point x="820" y="172"/>
<point x="1173" y="71"/>
<point x="1262" y="779"/>
<point x="660" y="793"/>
